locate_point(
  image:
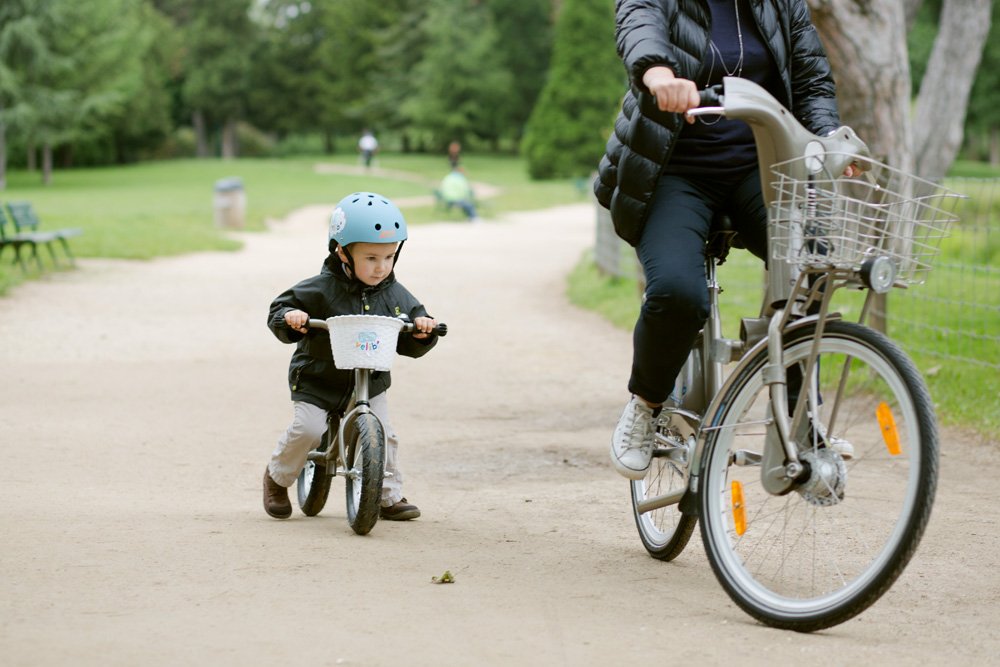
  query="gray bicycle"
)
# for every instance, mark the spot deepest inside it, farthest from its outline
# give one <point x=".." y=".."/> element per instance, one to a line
<point x="812" y="464"/>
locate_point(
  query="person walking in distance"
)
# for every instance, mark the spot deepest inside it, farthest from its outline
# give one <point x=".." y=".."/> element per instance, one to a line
<point x="367" y="146"/>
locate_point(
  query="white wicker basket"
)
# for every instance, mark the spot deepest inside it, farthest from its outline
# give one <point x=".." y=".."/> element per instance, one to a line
<point x="364" y="341"/>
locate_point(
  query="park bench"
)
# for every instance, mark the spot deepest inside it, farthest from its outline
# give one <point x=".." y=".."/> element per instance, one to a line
<point x="11" y="237"/>
<point x="26" y="223"/>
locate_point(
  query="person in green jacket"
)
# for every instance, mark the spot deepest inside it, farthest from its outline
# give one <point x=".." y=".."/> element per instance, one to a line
<point x="456" y="191"/>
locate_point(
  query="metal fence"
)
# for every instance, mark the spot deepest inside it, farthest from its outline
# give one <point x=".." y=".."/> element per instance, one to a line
<point x="955" y="315"/>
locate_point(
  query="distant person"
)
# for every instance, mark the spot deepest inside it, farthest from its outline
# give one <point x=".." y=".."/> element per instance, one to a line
<point x="456" y="191"/>
<point x="454" y="154"/>
<point x="367" y="146"/>
<point x="366" y="235"/>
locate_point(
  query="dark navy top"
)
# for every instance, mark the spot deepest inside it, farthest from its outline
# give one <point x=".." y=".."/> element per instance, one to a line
<point x="716" y="145"/>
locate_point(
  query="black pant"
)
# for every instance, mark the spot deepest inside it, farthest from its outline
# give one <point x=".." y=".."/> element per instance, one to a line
<point x="672" y="252"/>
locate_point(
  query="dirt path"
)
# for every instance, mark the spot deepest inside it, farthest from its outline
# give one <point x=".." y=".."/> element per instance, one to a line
<point x="139" y="403"/>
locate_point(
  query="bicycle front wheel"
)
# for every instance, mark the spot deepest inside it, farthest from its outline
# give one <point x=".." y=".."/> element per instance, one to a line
<point x="365" y="468"/>
<point x="829" y="548"/>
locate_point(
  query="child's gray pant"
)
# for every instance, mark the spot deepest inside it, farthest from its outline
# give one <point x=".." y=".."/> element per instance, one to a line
<point x="304" y="433"/>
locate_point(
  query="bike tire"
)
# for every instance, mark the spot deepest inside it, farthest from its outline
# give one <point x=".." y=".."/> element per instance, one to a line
<point x="366" y="467"/>
<point x="664" y="531"/>
<point x="314" y="484"/>
<point x="829" y="548"/>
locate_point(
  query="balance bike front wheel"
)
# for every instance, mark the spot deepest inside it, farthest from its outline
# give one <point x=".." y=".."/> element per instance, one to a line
<point x="364" y="470"/>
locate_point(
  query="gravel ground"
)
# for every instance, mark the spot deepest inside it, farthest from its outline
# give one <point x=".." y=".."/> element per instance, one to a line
<point x="140" y="402"/>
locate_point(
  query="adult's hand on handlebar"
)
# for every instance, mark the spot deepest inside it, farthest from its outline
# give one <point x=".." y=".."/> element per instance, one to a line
<point x="672" y="94"/>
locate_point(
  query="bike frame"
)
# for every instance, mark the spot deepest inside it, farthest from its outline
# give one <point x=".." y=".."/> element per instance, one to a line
<point x="337" y="449"/>
<point x="779" y="138"/>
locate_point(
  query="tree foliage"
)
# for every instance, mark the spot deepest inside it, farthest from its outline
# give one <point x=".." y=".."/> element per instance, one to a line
<point x="525" y="47"/>
<point x="99" y="81"/>
<point x="73" y="74"/>
<point x="460" y="88"/>
<point x="569" y="126"/>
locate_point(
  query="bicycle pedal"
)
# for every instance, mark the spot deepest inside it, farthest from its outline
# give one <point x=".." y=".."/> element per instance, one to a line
<point x="744" y="457"/>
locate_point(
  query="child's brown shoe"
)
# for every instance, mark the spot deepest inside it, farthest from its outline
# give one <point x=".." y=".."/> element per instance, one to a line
<point x="276" y="498"/>
<point x="401" y="511"/>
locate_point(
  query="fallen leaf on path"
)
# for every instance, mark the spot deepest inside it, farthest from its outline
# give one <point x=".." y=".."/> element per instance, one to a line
<point x="445" y="578"/>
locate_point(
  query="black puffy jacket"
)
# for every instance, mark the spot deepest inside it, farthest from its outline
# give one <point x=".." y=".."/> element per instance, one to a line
<point x="676" y="33"/>
<point x="312" y="375"/>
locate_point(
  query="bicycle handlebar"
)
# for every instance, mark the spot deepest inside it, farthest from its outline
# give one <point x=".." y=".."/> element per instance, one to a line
<point x="778" y="135"/>
<point x="710" y="97"/>
<point x="408" y="327"/>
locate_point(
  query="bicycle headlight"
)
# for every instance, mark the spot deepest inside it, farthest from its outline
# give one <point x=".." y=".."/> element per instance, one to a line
<point x="878" y="273"/>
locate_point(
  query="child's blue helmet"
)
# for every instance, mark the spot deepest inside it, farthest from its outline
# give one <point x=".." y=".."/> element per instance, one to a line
<point x="366" y="217"/>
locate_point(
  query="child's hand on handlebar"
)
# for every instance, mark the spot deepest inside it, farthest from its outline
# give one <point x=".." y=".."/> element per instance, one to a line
<point x="671" y="93"/>
<point x="423" y="326"/>
<point x="298" y="320"/>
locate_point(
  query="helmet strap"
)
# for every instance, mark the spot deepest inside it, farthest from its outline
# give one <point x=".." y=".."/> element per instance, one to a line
<point x="350" y="260"/>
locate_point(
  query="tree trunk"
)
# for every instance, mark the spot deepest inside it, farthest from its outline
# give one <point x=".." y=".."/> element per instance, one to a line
<point x="866" y="43"/>
<point x="939" y="118"/>
<point x="201" y="141"/>
<point x="31" y="159"/>
<point x="910" y="9"/>
<point x="46" y="163"/>
<point x="229" y="147"/>
<point x="994" y="147"/>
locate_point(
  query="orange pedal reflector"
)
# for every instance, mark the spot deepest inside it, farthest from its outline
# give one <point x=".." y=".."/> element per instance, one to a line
<point x="888" y="424"/>
<point x="739" y="511"/>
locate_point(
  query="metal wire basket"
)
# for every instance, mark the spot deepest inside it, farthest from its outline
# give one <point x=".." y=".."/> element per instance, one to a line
<point x="822" y="221"/>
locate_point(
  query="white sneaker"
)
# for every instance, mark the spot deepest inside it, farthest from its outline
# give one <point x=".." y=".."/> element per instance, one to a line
<point x="839" y="445"/>
<point x="632" y="443"/>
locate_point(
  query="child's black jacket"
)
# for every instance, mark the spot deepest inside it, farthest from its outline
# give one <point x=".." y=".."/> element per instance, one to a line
<point x="312" y="375"/>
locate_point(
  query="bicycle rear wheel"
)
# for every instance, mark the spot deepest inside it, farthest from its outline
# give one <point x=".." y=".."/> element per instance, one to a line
<point x="314" y="483"/>
<point x="365" y="468"/>
<point x="829" y="548"/>
<point x="664" y="530"/>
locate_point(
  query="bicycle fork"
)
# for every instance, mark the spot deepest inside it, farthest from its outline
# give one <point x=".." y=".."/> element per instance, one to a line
<point x="781" y="466"/>
<point x="361" y="407"/>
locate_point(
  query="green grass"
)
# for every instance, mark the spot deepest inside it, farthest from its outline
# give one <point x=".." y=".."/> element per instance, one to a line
<point x="166" y="208"/>
<point x="964" y="394"/>
<point x="615" y="299"/>
<point x="506" y="173"/>
<point x="968" y="169"/>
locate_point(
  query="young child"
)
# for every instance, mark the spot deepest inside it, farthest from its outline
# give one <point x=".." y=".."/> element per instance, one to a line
<point x="365" y="237"/>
